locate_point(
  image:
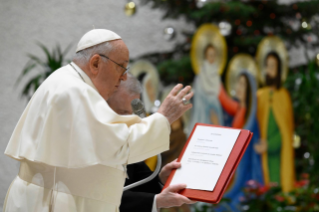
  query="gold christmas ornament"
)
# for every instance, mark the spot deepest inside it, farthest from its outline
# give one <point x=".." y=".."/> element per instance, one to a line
<point x="208" y="34"/>
<point x="130" y="8"/>
<point x="240" y="62"/>
<point x="267" y="45"/>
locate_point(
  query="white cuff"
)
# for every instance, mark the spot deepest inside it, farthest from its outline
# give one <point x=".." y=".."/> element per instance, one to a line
<point x="154" y="208"/>
<point x="167" y="122"/>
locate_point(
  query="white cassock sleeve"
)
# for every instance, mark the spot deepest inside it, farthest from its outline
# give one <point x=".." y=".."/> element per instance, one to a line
<point x="68" y="124"/>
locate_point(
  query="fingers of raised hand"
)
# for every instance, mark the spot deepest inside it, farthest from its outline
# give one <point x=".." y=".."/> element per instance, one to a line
<point x="187" y="107"/>
<point x="176" y="95"/>
<point x="189" y="95"/>
<point x="176" y="89"/>
<point x="184" y="91"/>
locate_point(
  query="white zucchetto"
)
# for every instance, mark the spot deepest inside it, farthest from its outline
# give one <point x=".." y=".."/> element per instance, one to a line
<point x="95" y="37"/>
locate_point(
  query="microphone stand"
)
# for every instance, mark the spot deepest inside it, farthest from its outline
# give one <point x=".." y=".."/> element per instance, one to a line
<point x="149" y="178"/>
<point x="139" y="110"/>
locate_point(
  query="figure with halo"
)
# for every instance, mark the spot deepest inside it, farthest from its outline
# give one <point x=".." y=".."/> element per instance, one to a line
<point x="207" y="107"/>
<point x="275" y="115"/>
<point x="241" y="83"/>
<point x="208" y="56"/>
<point x="147" y="74"/>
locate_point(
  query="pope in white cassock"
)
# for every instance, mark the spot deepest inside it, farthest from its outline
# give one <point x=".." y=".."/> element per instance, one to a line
<point x="72" y="146"/>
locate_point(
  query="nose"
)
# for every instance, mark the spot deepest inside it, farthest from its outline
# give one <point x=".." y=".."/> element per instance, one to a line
<point x="123" y="77"/>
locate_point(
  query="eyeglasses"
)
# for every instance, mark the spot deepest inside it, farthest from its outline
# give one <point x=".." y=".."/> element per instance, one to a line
<point x="126" y="69"/>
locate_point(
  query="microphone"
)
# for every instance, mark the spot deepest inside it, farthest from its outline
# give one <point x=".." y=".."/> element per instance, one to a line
<point x="138" y="108"/>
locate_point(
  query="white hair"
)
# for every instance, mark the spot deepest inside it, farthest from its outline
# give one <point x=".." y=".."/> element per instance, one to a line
<point x="132" y="85"/>
<point x="83" y="57"/>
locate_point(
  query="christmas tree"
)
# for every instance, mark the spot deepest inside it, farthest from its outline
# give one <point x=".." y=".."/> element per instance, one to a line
<point x="244" y="24"/>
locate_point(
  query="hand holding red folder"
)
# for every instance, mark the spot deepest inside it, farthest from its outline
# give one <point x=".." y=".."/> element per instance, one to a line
<point x="227" y="171"/>
<point x="170" y="198"/>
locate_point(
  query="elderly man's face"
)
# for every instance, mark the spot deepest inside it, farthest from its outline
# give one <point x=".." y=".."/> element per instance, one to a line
<point x="110" y="74"/>
<point x="121" y="100"/>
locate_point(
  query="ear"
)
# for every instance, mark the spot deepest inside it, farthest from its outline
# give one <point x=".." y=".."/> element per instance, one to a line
<point x="95" y="63"/>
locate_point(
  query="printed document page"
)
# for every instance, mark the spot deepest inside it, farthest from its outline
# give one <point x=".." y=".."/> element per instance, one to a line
<point x="205" y="157"/>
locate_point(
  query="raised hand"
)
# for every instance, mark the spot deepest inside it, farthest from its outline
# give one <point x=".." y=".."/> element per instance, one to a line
<point x="173" y="106"/>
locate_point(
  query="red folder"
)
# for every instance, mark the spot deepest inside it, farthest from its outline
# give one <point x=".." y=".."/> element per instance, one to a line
<point x="229" y="169"/>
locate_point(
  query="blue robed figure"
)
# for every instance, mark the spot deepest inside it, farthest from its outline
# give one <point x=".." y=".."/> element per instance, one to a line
<point x="249" y="167"/>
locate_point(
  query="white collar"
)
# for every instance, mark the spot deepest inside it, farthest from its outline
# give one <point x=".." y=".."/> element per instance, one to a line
<point x="83" y="75"/>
